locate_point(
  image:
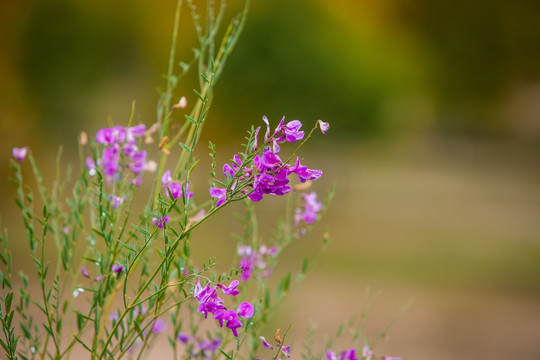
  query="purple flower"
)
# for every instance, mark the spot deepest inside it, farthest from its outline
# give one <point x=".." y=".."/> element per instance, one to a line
<point x="230" y="318"/>
<point x="111" y="136"/>
<point x="348" y="355"/>
<point x="166" y="179"/>
<point x="304" y="173"/>
<point x="286" y="350"/>
<point x="209" y="302"/>
<point x="138" y="162"/>
<point x="116" y="201"/>
<point x="308" y="210"/>
<point x="159" y="326"/>
<point x="245" y="310"/>
<point x="84" y="272"/>
<point x="90" y="165"/>
<point x="251" y="260"/>
<point x="220" y="194"/>
<point x="231" y="289"/>
<point x="110" y="160"/>
<point x="19" y="153"/>
<point x="390" y="358"/>
<point x="161" y="221"/>
<point x="265" y="343"/>
<point x="324" y="126"/>
<point x="290" y="132"/>
<point x="135" y="131"/>
<point x="117" y="268"/>
<point x="183" y="338"/>
<point x="209" y="345"/>
<point x="330" y="355"/>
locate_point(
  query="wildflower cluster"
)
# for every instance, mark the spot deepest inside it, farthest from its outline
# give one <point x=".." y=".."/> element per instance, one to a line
<point x="120" y="151"/>
<point x="113" y="253"/>
<point x="174" y="188"/>
<point x="266" y="173"/>
<point x="210" y="302"/>
<point x="253" y="259"/>
<point x="350" y="354"/>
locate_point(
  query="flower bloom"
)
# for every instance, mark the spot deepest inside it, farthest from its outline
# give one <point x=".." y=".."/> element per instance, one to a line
<point x="161" y="221"/>
<point x="210" y="302"/>
<point x="308" y="210"/>
<point x="324" y="126"/>
<point x="251" y="260"/>
<point x="116" y="201"/>
<point x="120" y="151"/>
<point x="19" y="153"/>
<point x="116" y="268"/>
<point x="268" y="174"/>
<point x="159" y="326"/>
<point x="245" y="310"/>
<point x="173" y="188"/>
<point x="183" y="338"/>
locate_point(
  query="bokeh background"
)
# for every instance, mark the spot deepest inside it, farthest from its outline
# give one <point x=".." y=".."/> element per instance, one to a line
<point x="434" y="144"/>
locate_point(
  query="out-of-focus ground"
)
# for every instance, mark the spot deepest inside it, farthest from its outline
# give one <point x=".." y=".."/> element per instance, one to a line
<point x="434" y="146"/>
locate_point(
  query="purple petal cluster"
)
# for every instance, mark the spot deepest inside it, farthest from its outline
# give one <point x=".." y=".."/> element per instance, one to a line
<point x="251" y="260"/>
<point x="161" y="221"/>
<point x="204" y="348"/>
<point x="120" y="151"/>
<point x="210" y="302"/>
<point x="268" y="173"/>
<point x="308" y="210"/>
<point x="174" y="188"/>
<point x="19" y="153"/>
<point x="367" y="354"/>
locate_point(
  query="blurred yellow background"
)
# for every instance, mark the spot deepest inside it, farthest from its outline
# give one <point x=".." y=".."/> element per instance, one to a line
<point x="434" y="144"/>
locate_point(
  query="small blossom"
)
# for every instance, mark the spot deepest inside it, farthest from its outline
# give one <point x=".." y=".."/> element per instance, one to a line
<point x="183" y="338"/>
<point x="390" y="358"/>
<point x="308" y="210"/>
<point x="116" y="268"/>
<point x="159" y="326"/>
<point x="231" y="289"/>
<point x="220" y="194"/>
<point x="19" y="153"/>
<point x="330" y="355"/>
<point x="77" y="292"/>
<point x="265" y="343"/>
<point x="116" y="201"/>
<point x="209" y="345"/>
<point x="182" y="103"/>
<point x="324" y="126"/>
<point x="84" y="272"/>
<point x="137" y="181"/>
<point x="230" y="318"/>
<point x="161" y="221"/>
<point x="245" y="310"/>
<point x="286" y="350"/>
<point x="91" y="165"/>
<point x="166" y="178"/>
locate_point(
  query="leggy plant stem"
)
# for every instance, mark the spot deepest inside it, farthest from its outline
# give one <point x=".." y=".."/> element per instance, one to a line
<point x="148" y="282"/>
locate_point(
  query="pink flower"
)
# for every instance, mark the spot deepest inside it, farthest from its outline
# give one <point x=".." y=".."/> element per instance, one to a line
<point x="161" y="221"/>
<point x="19" y="153"/>
<point x="245" y="310"/>
<point x="323" y="126"/>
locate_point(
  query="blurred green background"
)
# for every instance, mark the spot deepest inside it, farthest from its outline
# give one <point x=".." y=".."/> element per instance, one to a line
<point x="434" y="144"/>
